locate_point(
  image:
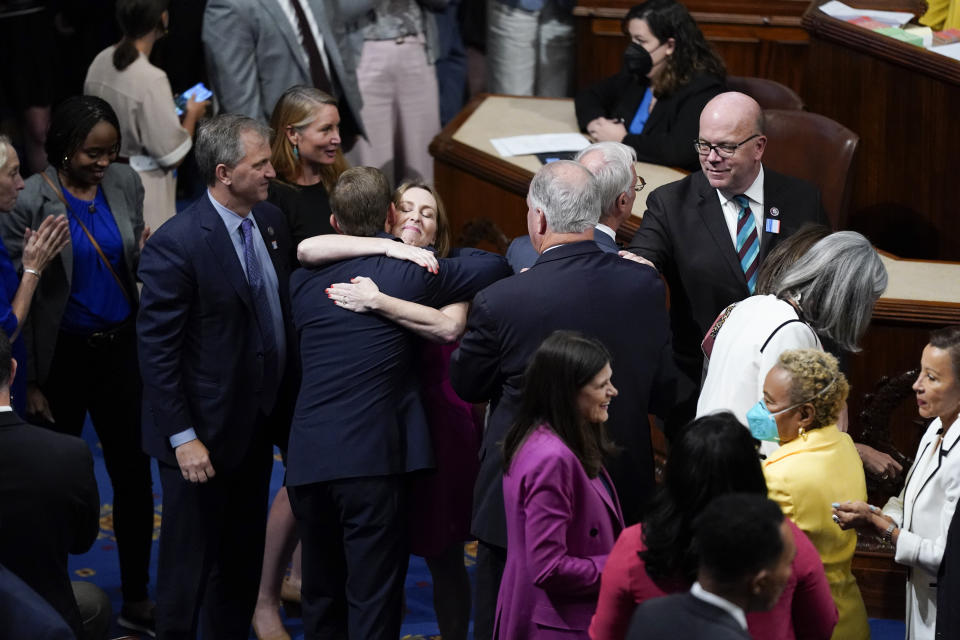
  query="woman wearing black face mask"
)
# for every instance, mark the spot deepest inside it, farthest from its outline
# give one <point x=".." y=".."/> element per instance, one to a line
<point x="669" y="73"/>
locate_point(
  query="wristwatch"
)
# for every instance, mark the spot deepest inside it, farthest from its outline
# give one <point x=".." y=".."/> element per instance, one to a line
<point x="888" y="534"/>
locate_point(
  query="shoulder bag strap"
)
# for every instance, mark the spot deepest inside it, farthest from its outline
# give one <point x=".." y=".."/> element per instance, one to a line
<point x="90" y="237"/>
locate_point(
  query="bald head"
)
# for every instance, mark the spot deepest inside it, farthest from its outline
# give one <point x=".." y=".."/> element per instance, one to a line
<point x="733" y="120"/>
<point x="567" y="195"/>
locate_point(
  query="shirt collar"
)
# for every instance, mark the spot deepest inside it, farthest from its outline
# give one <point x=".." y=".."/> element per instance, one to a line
<point x="754" y="191"/>
<point x="231" y="219"/>
<point x="711" y="598"/>
<point x="607" y="230"/>
<point x="5" y="408"/>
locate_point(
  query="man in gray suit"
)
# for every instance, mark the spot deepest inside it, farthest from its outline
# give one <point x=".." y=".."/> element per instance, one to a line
<point x="257" y="49"/>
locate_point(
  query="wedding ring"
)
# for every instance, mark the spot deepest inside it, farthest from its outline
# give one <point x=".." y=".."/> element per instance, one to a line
<point x="836" y="518"/>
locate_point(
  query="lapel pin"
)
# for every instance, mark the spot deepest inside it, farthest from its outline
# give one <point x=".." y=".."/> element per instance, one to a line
<point x="270" y="231"/>
<point x="773" y="211"/>
<point x="274" y="245"/>
<point x="772" y="226"/>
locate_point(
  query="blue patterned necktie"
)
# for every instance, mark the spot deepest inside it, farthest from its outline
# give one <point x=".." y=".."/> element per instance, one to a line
<point x="748" y="242"/>
<point x="258" y="294"/>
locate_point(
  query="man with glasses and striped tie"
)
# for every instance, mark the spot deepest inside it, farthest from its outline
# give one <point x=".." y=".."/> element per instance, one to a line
<point x="709" y="232"/>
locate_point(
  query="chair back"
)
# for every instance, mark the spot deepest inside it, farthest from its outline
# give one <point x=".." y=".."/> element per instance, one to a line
<point x="814" y="148"/>
<point x="770" y="94"/>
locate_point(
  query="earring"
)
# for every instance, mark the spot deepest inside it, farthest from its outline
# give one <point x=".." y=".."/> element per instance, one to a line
<point x="800" y="432"/>
<point x="66" y="162"/>
<point x="296" y="152"/>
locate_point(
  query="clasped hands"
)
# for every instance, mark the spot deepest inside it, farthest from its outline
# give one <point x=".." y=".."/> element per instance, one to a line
<point x="860" y="515"/>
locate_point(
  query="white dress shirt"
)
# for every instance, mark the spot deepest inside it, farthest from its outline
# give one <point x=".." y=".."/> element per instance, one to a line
<point x="312" y="21"/>
<point x="700" y="593"/>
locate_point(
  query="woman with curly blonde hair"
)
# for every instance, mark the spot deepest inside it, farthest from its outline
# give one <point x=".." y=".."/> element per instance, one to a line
<point x="815" y="467"/>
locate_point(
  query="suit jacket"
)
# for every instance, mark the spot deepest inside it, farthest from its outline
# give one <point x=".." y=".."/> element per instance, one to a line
<point x="577" y="287"/>
<point x="923" y="511"/>
<point x="358" y="412"/>
<point x="684" y="233"/>
<point x="682" y="615"/>
<point x="671" y="127"/>
<point x="521" y="254"/>
<point x="795" y="476"/>
<point x="26" y="614"/>
<point x="49" y="507"/>
<point x="123" y="191"/>
<point x="253" y="54"/>
<point x="948" y="584"/>
<point x="199" y="344"/>
<point x="561" y="525"/>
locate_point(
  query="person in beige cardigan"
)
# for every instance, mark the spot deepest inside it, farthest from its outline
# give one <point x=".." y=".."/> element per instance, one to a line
<point x="155" y="140"/>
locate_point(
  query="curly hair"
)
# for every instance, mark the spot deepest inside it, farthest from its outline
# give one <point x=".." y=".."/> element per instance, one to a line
<point x="692" y="53"/>
<point x="815" y="378"/>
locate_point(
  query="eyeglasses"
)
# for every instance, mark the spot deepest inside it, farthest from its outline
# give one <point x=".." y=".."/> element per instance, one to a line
<point x="640" y="184"/>
<point x="723" y="150"/>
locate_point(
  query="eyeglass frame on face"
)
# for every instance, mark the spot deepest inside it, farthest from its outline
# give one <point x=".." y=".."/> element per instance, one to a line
<point x="639" y="184"/>
<point x="723" y="150"/>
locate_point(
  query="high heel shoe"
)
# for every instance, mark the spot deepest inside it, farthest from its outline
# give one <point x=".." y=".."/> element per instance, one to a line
<point x="280" y="635"/>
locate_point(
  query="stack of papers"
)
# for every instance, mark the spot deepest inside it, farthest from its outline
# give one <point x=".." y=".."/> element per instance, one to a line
<point x="542" y="143"/>
<point x="843" y="11"/>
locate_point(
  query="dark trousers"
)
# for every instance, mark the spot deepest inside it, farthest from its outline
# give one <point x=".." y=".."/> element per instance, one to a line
<point x="491" y="560"/>
<point x="353" y="537"/>
<point x="101" y="375"/>
<point x="211" y="548"/>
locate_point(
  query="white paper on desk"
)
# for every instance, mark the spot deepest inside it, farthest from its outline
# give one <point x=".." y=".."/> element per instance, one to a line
<point x="541" y="143"/>
<point x="949" y="50"/>
<point x="841" y="11"/>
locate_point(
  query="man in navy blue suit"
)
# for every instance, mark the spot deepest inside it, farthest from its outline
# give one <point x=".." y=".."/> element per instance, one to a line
<point x="573" y="285"/>
<point x="359" y="426"/>
<point x="612" y="164"/>
<point x="214" y="353"/>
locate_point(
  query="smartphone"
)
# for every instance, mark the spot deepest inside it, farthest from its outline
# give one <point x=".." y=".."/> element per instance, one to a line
<point x="199" y="90"/>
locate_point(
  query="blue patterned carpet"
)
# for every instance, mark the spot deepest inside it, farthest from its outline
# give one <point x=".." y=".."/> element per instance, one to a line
<point x="99" y="565"/>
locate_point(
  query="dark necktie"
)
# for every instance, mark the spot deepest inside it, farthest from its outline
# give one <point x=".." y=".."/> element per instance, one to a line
<point x="258" y="294"/>
<point x="317" y="73"/>
<point x="748" y="242"/>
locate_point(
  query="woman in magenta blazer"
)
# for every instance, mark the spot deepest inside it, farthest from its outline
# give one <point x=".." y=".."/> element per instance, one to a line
<point x="562" y="511"/>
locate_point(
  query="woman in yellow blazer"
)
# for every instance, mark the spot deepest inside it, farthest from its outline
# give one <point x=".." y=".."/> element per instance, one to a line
<point x="816" y="466"/>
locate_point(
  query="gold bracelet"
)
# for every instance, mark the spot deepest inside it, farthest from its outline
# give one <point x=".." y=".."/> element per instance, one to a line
<point x="33" y="271"/>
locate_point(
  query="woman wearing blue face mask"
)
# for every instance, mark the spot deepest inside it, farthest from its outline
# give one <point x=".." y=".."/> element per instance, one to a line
<point x="816" y="465"/>
<point x="653" y="104"/>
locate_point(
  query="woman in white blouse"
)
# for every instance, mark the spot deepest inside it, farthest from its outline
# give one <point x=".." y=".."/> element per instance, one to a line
<point x="917" y="521"/>
<point x="155" y="141"/>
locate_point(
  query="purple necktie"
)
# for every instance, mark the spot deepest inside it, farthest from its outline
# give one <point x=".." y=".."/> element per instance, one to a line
<point x="261" y="307"/>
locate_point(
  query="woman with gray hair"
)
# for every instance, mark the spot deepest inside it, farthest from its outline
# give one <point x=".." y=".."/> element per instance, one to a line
<point x="827" y="294"/>
<point x="39" y="248"/>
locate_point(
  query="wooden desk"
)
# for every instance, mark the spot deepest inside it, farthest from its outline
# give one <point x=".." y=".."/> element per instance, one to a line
<point x="476" y="183"/>
<point x="903" y="102"/>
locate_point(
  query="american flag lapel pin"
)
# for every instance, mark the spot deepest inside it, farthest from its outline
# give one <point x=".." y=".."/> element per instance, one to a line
<point x="274" y="245"/>
<point x="772" y="226"/>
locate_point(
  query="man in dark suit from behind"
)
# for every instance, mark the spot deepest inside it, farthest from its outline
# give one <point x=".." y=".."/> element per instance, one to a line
<point x="214" y="354"/>
<point x="359" y="426"/>
<point x="709" y="232"/>
<point x="745" y="548"/>
<point x="49" y="508"/>
<point x="574" y="285"/>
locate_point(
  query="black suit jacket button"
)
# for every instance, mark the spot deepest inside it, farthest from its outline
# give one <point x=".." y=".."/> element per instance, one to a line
<point x="594" y="532"/>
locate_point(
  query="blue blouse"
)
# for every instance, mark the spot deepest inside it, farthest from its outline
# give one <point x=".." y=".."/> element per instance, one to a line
<point x="96" y="300"/>
<point x="9" y="283"/>
<point x="643" y="112"/>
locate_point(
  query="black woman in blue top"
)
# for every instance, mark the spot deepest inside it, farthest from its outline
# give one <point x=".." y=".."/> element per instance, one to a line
<point x="80" y="336"/>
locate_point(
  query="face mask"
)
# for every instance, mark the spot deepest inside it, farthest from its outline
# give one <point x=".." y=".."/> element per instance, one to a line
<point x="637" y="61"/>
<point x="763" y="424"/>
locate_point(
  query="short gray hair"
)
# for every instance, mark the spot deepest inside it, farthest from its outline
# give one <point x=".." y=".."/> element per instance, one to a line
<point x="837" y="282"/>
<point x="612" y="171"/>
<point x="220" y="141"/>
<point x="568" y="195"/>
<point x="5" y="146"/>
